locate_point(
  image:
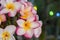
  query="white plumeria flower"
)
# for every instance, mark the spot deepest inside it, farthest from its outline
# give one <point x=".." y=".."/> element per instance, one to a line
<point x="7" y="33"/>
<point x="28" y="28"/>
<point x="11" y="7"/>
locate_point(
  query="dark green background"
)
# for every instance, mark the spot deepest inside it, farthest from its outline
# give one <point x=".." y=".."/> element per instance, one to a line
<point x="51" y="24"/>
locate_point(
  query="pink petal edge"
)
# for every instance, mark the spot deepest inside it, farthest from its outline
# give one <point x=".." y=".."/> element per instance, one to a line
<point x="27" y="36"/>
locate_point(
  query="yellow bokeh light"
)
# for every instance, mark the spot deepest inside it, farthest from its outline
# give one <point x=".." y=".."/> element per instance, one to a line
<point x="35" y="7"/>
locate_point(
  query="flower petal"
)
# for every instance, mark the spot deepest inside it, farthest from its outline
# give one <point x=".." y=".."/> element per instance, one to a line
<point x="11" y="29"/>
<point x="9" y="1"/>
<point x="37" y="32"/>
<point x="34" y="11"/>
<point x="20" y="22"/>
<point x="4" y="11"/>
<point x="29" y="34"/>
<point x="0" y="38"/>
<point x="1" y="31"/>
<point x="29" y="4"/>
<point x="3" y="18"/>
<point x="31" y="18"/>
<point x="24" y="3"/>
<point x="20" y="31"/>
<point x="37" y="17"/>
<point x="40" y="22"/>
<point x="23" y="0"/>
<point x="12" y="13"/>
<point x="3" y="2"/>
<point x="17" y="5"/>
<point x="12" y="38"/>
<point x="34" y="25"/>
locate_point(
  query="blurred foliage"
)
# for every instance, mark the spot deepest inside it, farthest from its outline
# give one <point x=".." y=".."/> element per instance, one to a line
<point x="44" y="6"/>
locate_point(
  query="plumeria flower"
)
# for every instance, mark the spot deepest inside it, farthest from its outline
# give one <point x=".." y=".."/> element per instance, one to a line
<point x="11" y="7"/>
<point x="7" y="33"/>
<point x="29" y="16"/>
<point x="2" y="18"/>
<point x="26" y="13"/>
<point x="28" y="28"/>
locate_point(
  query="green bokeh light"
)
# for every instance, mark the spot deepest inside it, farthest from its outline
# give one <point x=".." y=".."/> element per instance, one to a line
<point x="51" y="13"/>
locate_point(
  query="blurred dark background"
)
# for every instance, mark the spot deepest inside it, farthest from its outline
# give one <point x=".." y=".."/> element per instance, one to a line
<point x="49" y="13"/>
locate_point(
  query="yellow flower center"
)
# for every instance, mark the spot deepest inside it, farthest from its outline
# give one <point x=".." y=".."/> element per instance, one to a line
<point x="5" y="35"/>
<point x="27" y="25"/>
<point x="10" y="6"/>
<point x="24" y="16"/>
<point x="1" y="18"/>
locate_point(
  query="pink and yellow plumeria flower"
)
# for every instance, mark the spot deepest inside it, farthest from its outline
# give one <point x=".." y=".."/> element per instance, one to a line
<point x="11" y="7"/>
<point x="7" y="33"/>
<point x="2" y="18"/>
<point x="26" y="13"/>
<point x="28" y="28"/>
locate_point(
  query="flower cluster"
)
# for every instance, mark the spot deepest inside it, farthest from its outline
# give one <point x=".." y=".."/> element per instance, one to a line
<point x="27" y="23"/>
